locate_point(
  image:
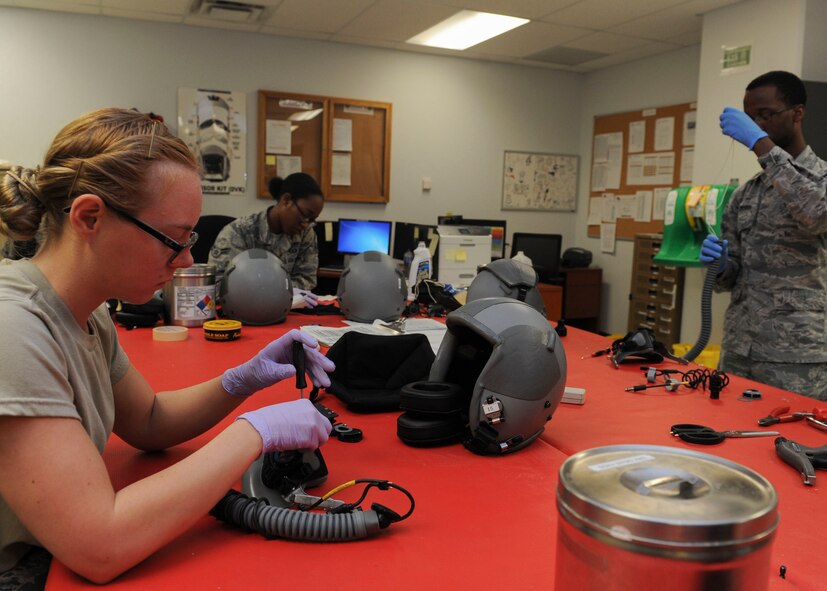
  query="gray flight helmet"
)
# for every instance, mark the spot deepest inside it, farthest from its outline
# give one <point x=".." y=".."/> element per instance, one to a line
<point x="507" y="278"/>
<point x="511" y="363"/>
<point x="372" y="287"/>
<point x="256" y="288"/>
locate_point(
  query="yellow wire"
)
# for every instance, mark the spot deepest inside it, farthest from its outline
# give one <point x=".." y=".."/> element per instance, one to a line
<point x="332" y="492"/>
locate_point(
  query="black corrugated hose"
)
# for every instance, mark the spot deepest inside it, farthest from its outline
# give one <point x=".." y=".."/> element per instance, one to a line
<point x="706" y="311"/>
<point x="277" y="522"/>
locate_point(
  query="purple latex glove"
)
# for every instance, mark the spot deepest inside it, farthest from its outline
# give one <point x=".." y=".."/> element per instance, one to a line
<point x="740" y="127"/>
<point x="289" y="425"/>
<point x="310" y="298"/>
<point x="275" y="363"/>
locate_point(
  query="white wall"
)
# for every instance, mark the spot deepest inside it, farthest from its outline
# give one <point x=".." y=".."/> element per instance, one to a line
<point x="452" y="118"/>
<point x="815" y="42"/>
<point x="668" y="79"/>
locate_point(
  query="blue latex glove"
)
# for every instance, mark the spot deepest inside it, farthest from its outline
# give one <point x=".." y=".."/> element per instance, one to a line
<point x="275" y="363"/>
<point x="289" y="425"/>
<point x="310" y="298"/>
<point x="713" y="248"/>
<point x="738" y="125"/>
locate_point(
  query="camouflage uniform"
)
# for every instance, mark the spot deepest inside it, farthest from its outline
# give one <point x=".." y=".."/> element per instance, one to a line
<point x="299" y="253"/>
<point x="776" y="225"/>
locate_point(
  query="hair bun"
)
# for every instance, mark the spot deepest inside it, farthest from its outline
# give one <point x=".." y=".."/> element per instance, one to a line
<point x="274" y="186"/>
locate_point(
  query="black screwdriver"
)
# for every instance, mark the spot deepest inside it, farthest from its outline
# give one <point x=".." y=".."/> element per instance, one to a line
<point x="298" y="362"/>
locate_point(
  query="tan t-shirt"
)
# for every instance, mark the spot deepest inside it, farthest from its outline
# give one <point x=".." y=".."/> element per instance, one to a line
<point x="51" y="367"/>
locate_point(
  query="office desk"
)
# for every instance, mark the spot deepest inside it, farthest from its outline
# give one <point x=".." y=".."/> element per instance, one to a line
<point x="480" y="522"/>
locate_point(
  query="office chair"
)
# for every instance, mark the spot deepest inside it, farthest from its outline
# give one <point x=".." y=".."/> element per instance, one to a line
<point x="208" y="227"/>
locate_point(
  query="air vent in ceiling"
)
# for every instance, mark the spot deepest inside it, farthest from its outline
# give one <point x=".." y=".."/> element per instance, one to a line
<point x="226" y="10"/>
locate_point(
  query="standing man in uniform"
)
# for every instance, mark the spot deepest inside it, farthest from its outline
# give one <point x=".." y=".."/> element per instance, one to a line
<point x="773" y="256"/>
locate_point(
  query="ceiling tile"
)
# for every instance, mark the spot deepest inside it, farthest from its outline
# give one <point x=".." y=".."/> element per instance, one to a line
<point x="396" y="20"/>
<point x="142" y="16"/>
<point x="530" y="38"/>
<point x="533" y="9"/>
<point x="601" y="14"/>
<point x="294" y="33"/>
<point x="566" y="56"/>
<point x="200" y="21"/>
<point x="643" y="51"/>
<point x="82" y="7"/>
<point x="607" y="42"/>
<point x="320" y="16"/>
<point x="179" y="7"/>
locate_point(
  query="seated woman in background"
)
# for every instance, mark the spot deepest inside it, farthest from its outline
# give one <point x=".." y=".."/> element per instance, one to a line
<point x="116" y="201"/>
<point x="285" y="229"/>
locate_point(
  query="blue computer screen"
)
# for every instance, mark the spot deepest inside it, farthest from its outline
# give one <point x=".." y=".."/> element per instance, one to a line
<point x="357" y="236"/>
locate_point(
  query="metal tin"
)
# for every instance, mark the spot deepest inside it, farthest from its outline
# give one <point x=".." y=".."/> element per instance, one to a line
<point x="634" y="514"/>
<point x="190" y="296"/>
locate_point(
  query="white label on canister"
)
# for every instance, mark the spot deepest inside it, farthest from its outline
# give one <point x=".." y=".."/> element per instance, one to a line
<point x="669" y="210"/>
<point x="194" y="303"/>
<point x="622" y="462"/>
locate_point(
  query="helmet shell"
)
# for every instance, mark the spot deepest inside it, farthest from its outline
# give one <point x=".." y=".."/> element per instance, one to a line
<point x="507" y="278"/>
<point x="372" y="287"/>
<point x="256" y="288"/>
<point x="511" y="362"/>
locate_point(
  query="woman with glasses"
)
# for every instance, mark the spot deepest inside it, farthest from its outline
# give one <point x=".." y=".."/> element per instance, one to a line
<point x="115" y="201"/>
<point x="285" y="229"/>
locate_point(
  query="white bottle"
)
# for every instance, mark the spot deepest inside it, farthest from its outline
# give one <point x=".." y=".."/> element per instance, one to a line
<point x="521" y="257"/>
<point x="420" y="268"/>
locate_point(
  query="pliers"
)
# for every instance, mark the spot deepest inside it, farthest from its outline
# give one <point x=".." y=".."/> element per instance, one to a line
<point x="804" y="459"/>
<point x="781" y="414"/>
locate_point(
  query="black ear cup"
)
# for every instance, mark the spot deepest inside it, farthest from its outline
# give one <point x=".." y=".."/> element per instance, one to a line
<point x="436" y="414"/>
<point x="432" y="397"/>
<point x="420" y="430"/>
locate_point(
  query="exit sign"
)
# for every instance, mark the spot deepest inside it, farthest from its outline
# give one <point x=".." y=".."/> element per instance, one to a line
<point x="736" y="57"/>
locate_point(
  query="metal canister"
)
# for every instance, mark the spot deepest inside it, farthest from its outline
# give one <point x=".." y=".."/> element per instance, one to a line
<point x="190" y="296"/>
<point x="636" y="515"/>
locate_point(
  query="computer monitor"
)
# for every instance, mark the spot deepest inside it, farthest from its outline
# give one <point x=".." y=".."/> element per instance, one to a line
<point x="357" y="236"/>
<point x="327" y="239"/>
<point x="544" y="252"/>
<point x="406" y="236"/>
<point x="497" y="228"/>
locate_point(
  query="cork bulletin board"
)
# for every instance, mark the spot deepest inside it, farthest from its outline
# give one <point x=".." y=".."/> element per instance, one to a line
<point x="636" y="158"/>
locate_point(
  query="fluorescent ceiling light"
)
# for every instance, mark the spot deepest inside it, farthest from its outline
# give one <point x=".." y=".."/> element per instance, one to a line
<point x="466" y="29"/>
<point x="304" y="115"/>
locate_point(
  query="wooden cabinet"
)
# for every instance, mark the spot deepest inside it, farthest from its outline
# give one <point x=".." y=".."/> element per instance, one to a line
<point x="553" y="300"/>
<point x="582" y="288"/>
<point x="657" y="292"/>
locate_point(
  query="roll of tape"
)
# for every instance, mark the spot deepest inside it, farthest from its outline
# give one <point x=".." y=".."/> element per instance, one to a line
<point x="222" y="330"/>
<point x="169" y="333"/>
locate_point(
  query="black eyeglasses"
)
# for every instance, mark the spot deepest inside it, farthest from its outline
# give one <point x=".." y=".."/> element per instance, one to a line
<point x="303" y="216"/>
<point x="177" y="247"/>
<point x="767" y="115"/>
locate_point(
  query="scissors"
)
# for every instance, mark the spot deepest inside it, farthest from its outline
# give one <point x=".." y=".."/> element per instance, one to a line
<point x="703" y="435"/>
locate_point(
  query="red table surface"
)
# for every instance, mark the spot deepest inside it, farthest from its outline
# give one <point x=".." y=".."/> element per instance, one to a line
<point x="612" y="416"/>
<point x="480" y="522"/>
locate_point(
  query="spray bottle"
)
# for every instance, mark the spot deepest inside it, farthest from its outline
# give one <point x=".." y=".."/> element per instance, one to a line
<point x="420" y="268"/>
<point x="522" y="257"/>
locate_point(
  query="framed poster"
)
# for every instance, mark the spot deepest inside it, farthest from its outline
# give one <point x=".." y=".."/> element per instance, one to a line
<point x="213" y="123"/>
<point x="541" y="182"/>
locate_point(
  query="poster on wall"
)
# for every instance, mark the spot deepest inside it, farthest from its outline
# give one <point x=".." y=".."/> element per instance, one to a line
<point x="213" y="123"/>
<point x="535" y="181"/>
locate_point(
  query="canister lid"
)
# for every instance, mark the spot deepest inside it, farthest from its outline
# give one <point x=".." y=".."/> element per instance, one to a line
<point x="665" y="497"/>
<point x="196" y="270"/>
